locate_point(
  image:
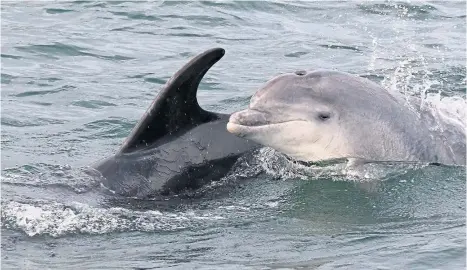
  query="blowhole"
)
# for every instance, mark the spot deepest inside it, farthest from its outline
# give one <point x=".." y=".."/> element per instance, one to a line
<point x="323" y="116"/>
<point x="300" y="72"/>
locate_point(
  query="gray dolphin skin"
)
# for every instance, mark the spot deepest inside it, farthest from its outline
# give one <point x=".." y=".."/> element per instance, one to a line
<point x="321" y="115"/>
<point x="176" y="145"/>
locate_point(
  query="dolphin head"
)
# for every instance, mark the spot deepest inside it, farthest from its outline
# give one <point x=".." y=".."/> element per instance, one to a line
<point x="309" y="115"/>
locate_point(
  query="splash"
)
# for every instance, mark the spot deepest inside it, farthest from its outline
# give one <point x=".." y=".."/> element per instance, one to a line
<point x="277" y="165"/>
<point x="436" y="96"/>
<point x="58" y="219"/>
<point x="444" y="111"/>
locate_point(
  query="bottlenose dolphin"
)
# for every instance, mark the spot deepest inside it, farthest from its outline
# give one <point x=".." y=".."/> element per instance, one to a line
<point x="176" y="145"/>
<point x="321" y="115"/>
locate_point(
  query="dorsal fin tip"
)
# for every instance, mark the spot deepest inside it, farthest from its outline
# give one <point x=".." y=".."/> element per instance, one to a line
<point x="175" y="106"/>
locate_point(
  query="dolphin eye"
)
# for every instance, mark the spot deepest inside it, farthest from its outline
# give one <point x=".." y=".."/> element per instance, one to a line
<point x="323" y="116"/>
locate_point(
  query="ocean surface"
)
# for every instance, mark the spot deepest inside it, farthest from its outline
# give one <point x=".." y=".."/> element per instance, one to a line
<point x="76" y="77"/>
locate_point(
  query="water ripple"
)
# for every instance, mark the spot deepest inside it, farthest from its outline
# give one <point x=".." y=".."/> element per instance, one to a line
<point x="60" y="49"/>
<point x="114" y="127"/>
<point x="10" y="56"/>
<point x="402" y="10"/>
<point x="46" y="92"/>
<point x="57" y="10"/>
<point x="6" y="78"/>
<point x="340" y="47"/>
<point x="136" y="16"/>
<point x="34" y="121"/>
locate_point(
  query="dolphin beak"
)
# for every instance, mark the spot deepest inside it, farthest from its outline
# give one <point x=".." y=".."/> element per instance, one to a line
<point x="241" y="123"/>
<point x="249" y="117"/>
<point x="235" y="129"/>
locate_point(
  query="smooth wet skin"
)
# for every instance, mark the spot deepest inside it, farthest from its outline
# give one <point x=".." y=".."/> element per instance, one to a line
<point x="176" y="145"/>
<point x="323" y="114"/>
<point x="186" y="162"/>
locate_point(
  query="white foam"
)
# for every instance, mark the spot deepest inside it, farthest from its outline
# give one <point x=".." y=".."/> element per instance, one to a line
<point x="57" y="219"/>
<point x="413" y="78"/>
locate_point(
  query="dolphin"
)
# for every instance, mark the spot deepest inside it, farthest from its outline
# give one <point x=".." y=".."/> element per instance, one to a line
<point x="319" y="115"/>
<point x="176" y="145"/>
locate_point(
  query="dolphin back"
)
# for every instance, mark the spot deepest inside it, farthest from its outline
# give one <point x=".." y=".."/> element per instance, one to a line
<point x="176" y="145"/>
<point x="176" y="106"/>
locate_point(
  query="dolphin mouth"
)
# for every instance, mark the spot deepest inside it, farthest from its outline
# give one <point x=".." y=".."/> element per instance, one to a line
<point x="250" y="118"/>
<point x="255" y="118"/>
<point x="243" y="130"/>
<point x="251" y="121"/>
<point x="243" y="122"/>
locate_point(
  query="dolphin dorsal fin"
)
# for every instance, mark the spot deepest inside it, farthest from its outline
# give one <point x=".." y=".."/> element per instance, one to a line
<point x="175" y="107"/>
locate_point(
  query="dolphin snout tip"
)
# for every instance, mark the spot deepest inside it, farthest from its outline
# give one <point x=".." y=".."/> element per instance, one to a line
<point x="231" y="127"/>
<point x="236" y="129"/>
<point x="239" y="123"/>
<point x="237" y="117"/>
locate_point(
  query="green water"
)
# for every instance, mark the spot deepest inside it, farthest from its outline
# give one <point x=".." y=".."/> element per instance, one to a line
<point x="77" y="76"/>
